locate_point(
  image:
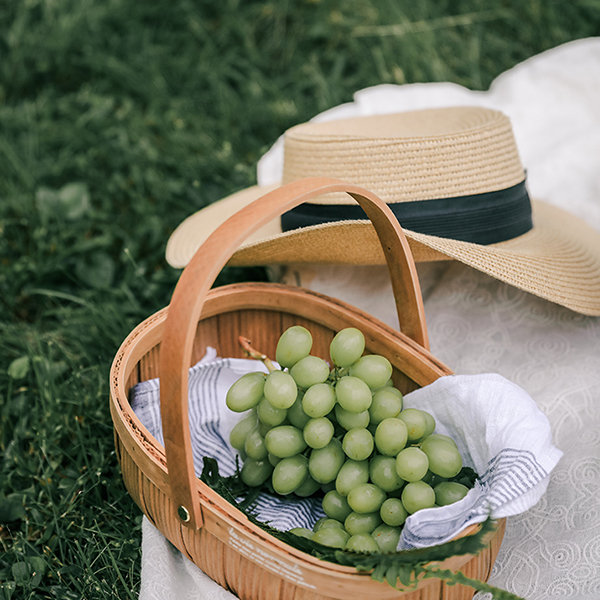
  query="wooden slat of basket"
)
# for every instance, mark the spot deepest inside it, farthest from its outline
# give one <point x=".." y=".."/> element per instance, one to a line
<point x="209" y="331"/>
<point x="259" y="324"/>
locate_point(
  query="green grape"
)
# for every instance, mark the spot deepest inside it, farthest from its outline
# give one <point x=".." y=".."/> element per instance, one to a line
<point x="273" y="459"/>
<point x="430" y="424"/>
<point x="318" y="400"/>
<point x="318" y="432"/>
<point x="358" y="444"/>
<point x="241" y="429"/>
<point x="284" y="441"/>
<point x="351" y="420"/>
<point x="353" y="394"/>
<point x="294" y="344"/>
<point x="296" y="415"/>
<point x="448" y="492"/>
<point x="307" y="488"/>
<point x="387" y="403"/>
<point x="392" y="512"/>
<point x="361" y="522"/>
<point x="351" y="474"/>
<point x="382" y="471"/>
<point x="255" y="472"/>
<point x="280" y="389"/>
<point x="333" y="537"/>
<point x="302" y="532"/>
<point x="269" y="415"/>
<point x="327" y="523"/>
<point x="246" y="392"/>
<point x="373" y="369"/>
<point x="336" y="506"/>
<point x="412" y="464"/>
<point x="391" y="436"/>
<point x="310" y="370"/>
<point x="417" y="495"/>
<point x="416" y="423"/>
<point x="441" y="438"/>
<point x="444" y="458"/>
<point x="389" y="383"/>
<point x="361" y="542"/>
<point x="325" y="463"/>
<point x="347" y="347"/>
<point x="366" y="498"/>
<point x="289" y="474"/>
<point x="254" y="446"/>
<point x="386" y="537"/>
<point x="263" y="429"/>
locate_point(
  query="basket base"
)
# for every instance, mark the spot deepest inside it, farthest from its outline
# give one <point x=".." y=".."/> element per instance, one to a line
<point x="249" y="581"/>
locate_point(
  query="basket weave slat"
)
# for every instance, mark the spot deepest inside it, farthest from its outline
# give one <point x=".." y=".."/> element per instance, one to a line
<point x="208" y="552"/>
<point x="148" y="365"/>
<point x="218" y="538"/>
<point x="160" y="507"/>
<point x="250" y="581"/>
<point x="261" y="323"/>
<point x="131" y="473"/>
<point x="204" y="335"/>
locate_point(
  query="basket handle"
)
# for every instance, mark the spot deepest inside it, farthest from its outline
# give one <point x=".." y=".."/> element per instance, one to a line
<point x="199" y="275"/>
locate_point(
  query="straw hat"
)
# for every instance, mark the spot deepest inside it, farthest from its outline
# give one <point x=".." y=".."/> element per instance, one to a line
<point x="455" y="181"/>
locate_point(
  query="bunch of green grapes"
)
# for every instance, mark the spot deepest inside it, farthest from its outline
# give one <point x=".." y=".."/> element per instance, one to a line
<point x="342" y="432"/>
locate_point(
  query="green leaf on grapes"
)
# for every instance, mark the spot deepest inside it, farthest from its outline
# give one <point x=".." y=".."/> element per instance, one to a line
<point x="452" y="578"/>
<point x="466" y="476"/>
<point x="391" y="575"/>
<point x="405" y="574"/>
<point x="379" y="572"/>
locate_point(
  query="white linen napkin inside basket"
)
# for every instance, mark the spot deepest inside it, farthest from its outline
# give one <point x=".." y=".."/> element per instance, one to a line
<point x="498" y="428"/>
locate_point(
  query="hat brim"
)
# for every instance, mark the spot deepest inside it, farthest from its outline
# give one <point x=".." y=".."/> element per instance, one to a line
<point x="559" y="259"/>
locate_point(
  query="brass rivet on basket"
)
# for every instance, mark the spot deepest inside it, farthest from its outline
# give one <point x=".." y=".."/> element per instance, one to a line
<point x="183" y="513"/>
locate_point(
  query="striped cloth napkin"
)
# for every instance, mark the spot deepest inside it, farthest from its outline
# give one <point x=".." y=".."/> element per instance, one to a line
<point x="498" y="428"/>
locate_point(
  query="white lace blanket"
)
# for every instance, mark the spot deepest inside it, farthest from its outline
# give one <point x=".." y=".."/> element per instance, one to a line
<point x="477" y="324"/>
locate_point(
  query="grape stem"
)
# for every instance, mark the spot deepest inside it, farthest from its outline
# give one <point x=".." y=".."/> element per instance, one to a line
<point x="337" y="373"/>
<point x="245" y="343"/>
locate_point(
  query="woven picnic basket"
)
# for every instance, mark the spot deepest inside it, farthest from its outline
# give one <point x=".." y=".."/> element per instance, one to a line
<point x="216" y="536"/>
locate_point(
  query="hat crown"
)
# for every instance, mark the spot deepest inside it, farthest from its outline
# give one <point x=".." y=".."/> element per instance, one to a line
<point x="421" y="155"/>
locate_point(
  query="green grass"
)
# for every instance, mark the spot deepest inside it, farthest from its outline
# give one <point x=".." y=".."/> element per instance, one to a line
<point x="118" y="119"/>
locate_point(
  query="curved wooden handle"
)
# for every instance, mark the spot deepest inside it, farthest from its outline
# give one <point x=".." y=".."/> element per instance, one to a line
<point x="199" y="275"/>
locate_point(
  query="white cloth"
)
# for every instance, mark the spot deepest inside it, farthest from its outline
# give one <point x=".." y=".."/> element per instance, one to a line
<point x="477" y="324"/>
<point x="499" y="431"/>
<point x="502" y="435"/>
